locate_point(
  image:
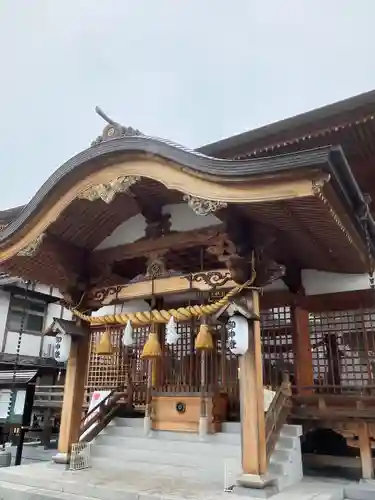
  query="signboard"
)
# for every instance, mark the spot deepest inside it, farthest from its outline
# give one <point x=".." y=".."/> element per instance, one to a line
<point x="16" y="408"/>
<point x="96" y="398"/>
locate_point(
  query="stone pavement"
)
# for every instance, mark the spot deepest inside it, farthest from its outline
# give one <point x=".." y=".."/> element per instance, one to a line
<point x="49" y="481"/>
<point x="33" y="454"/>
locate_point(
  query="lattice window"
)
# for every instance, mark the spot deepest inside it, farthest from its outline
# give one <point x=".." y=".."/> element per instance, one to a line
<point x="227" y="374"/>
<point x="179" y="363"/>
<point x="277" y="344"/>
<point x="139" y="366"/>
<point x="343" y="349"/>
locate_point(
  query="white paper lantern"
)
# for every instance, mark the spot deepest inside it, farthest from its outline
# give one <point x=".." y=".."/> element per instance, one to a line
<point x="62" y="347"/>
<point x="238" y="334"/>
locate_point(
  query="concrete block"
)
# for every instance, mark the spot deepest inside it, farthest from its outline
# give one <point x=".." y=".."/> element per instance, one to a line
<point x="147" y="426"/>
<point x="61" y="458"/>
<point x="203" y="427"/>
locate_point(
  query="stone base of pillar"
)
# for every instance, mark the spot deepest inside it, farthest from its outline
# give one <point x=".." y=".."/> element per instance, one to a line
<point x="147" y="426"/>
<point x="254" y="486"/>
<point x="203" y="427"/>
<point x="61" y="458"/>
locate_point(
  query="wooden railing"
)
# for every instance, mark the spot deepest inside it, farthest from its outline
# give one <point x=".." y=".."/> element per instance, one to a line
<point x="100" y="416"/>
<point x="51" y="396"/>
<point x="277" y="414"/>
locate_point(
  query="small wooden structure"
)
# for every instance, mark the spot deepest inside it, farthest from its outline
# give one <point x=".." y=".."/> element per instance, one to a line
<point x="138" y="231"/>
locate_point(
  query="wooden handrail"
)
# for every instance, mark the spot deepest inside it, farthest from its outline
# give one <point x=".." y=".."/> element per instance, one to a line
<point x="101" y="415"/>
<point x="277" y="414"/>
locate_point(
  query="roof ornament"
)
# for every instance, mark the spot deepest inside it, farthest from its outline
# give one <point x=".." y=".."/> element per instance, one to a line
<point x="113" y="130"/>
<point x="204" y="207"/>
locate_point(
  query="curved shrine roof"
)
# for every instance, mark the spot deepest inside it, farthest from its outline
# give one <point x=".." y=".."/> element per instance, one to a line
<point x="272" y="185"/>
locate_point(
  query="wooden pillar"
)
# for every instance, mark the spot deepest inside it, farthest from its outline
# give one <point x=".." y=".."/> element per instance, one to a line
<point x="366" y="452"/>
<point x="253" y="444"/>
<point x="303" y="362"/>
<point x="74" y="391"/>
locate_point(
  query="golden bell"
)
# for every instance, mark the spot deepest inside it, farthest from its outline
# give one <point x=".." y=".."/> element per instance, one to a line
<point x="104" y="346"/>
<point x="203" y="341"/>
<point x="152" y="348"/>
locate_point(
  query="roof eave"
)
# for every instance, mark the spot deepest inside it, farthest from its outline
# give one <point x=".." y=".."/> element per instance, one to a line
<point x="347" y="105"/>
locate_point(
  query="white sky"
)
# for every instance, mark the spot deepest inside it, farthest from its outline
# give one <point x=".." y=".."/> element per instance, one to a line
<point x="193" y="71"/>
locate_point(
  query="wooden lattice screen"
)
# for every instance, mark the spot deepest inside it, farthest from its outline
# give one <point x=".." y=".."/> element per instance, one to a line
<point x="343" y="349"/>
<point x="180" y="367"/>
<point x="277" y="345"/>
<point x="109" y="372"/>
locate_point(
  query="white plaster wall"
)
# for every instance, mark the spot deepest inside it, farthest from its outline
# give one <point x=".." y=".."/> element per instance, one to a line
<point x="30" y="344"/>
<point x="320" y="282"/>
<point x="56" y="311"/>
<point x="182" y="219"/>
<point x="130" y="306"/>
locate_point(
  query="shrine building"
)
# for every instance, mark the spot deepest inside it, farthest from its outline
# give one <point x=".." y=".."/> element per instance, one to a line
<point x="225" y="291"/>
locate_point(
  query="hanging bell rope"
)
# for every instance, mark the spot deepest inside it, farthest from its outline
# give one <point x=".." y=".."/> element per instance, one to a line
<point x="152" y="348"/>
<point x="104" y="346"/>
<point x="163" y="316"/>
<point x="203" y="341"/>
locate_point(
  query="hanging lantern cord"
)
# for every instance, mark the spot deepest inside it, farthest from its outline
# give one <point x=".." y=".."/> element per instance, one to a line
<point x="16" y="364"/>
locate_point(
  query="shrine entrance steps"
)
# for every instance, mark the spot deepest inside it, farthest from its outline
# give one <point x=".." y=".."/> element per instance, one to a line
<point x="127" y="465"/>
<point x="216" y="459"/>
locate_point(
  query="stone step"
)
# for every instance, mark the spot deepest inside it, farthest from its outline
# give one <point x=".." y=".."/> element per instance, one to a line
<point x="293" y="431"/>
<point x="126" y="422"/>
<point x="11" y="491"/>
<point x="219" y="437"/>
<point x="287" y="443"/>
<point x="231" y="427"/>
<point x="170" y="445"/>
<point x="281" y="456"/>
<point x="288" y="430"/>
<point x="162" y="470"/>
<point x="360" y="491"/>
<point x="203" y="459"/>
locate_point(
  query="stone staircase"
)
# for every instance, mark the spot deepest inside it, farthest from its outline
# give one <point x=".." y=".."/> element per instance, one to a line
<point x="216" y="459"/>
<point x="127" y="465"/>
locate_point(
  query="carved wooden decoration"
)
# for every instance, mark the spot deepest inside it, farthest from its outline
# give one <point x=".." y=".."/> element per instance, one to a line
<point x="156" y="266"/>
<point x="203" y="207"/>
<point x="108" y="191"/>
<point x="222" y="248"/>
<point x="31" y="249"/>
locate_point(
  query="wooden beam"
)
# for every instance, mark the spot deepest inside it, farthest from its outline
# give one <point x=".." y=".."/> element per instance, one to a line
<point x="293" y="280"/>
<point x="172" y="241"/>
<point x="339" y="301"/>
<point x="204" y="281"/>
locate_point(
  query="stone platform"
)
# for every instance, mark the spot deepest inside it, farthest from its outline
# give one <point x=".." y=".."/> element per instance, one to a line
<point x="47" y="481"/>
